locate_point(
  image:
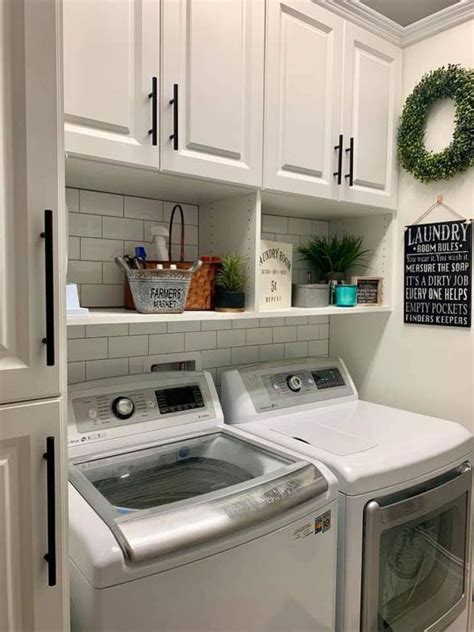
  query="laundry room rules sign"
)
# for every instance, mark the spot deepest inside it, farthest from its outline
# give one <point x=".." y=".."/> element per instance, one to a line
<point x="438" y="274"/>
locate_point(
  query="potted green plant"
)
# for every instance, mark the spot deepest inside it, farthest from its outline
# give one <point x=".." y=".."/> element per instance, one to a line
<point x="230" y="284"/>
<point x="332" y="257"/>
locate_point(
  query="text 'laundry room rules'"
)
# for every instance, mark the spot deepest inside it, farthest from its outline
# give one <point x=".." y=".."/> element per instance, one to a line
<point x="438" y="274"/>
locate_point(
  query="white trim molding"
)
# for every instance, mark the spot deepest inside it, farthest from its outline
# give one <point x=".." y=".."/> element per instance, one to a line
<point x="403" y="36"/>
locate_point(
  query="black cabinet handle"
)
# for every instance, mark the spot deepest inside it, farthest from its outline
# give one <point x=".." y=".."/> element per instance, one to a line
<point x="174" y="102"/>
<point x="50" y="556"/>
<point x="339" y="148"/>
<point x="154" y="111"/>
<point x="47" y="235"/>
<point x="350" y="149"/>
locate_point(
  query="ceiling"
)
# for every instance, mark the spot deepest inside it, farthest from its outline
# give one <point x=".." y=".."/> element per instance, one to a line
<point x="406" y="12"/>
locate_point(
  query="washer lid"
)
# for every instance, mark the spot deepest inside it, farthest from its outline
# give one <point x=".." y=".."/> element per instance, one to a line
<point x="169" y="497"/>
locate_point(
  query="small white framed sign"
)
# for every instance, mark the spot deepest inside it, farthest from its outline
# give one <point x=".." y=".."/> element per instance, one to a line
<point x="275" y="268"/>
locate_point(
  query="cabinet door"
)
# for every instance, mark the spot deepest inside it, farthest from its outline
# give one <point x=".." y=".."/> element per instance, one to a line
<point x="371" y="95"/>
<point x="213" y="54"/>
<point x="111" y="54"/>
<point x="31" y="176"/>
<point x="27" y="600"/>
<point x="302" y="98"/>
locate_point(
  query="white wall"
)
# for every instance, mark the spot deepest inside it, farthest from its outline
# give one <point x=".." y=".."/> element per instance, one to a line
<point x="421" y="368"/>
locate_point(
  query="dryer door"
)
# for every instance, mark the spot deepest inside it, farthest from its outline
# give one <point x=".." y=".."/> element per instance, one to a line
<point x="415" y="569"/>
<point x="165" y="498"/>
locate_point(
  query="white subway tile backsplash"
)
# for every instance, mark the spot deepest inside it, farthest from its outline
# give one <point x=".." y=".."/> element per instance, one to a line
<point x="318" y="320"/>
<point x="166" y="343"/>
<point x="111" y="273"/>
<point x="215" y="358"/>
<point x="284" y="334"/>
<point x="82" y="225"/>
<point x="102" y="295"/>
<point x="296" y="350"/>
<point x="97" y="331"/>
<point x="79" y="331"/>
<point x="299" y="226"/>
<point x="183" y="326"/>
<point x="126" y="346"/>
<point x="121" y="228"/>
<point x="274" y="224"/>
<point x="74" y="248"/>
<point x="318" y="347"/>
<point x="98" y="369"/>
<point x="72" y="200"/>
<point x="147" y="328"/>
<point x="272" y="321"/>
<point x="76" y="372"/>
<point x="84" y="272"/>
<point x="200" y="340"/>
<point x="320" y="228"/>
<point x="296" y="320"/>
<point x="100" y="249"/>
<point x="143" y="208"/>
<point x="324" y="331"/>
<point x="190" y="213"/>
<point x="259" y="336"/>
<point x="214" y="325"/>
<point x="245" y="355"/>
<point x="308" y="332"/>
<point x="231" y="338"/>
<point x="87" y="349"/>
<point x="245" y="323"/>
<point x="271" y="353"/>
<point x="101" y="203"/>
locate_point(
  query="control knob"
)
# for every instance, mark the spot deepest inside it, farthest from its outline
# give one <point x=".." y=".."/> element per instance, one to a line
<point x="294" y="383"/>
<point x="123" y="407"/>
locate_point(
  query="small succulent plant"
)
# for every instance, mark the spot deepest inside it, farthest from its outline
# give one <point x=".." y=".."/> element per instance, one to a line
<point x="231" y="276"/>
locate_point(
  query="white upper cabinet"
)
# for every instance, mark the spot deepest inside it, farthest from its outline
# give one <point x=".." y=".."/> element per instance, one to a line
<point x="212" y="89"/>
<point x="111" y="54"/>
<point x="302" y="98"/>
<point x="31" y="191"/>
<point x="371" y="95"/>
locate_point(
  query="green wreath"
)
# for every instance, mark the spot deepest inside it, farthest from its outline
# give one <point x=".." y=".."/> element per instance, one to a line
<point x="454" y="83"/>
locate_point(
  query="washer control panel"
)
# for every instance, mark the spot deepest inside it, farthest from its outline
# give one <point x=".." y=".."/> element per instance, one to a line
<point x="162" y="400"/>
<point x="310" y="380"/>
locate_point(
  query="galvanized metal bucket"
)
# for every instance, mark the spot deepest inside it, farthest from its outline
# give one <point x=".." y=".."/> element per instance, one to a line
<point x="159" y="290"/>
<point x="310" y="295"/>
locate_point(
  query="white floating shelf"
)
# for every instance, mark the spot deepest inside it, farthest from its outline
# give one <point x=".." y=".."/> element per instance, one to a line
<point x="115" y="316"/>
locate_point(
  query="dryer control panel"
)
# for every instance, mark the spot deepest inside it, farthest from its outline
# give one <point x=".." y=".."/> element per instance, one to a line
<point x="293" y="383"/>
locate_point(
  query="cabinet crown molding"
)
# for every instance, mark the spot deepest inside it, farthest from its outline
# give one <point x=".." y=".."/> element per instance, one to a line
<point x="403" y="36"/>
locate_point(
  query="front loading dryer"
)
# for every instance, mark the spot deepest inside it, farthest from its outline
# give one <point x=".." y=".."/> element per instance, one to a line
<point x="405" y="491"/>
<point x="180" y="523"/>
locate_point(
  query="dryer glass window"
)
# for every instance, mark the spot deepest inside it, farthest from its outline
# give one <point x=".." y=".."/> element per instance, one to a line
<point x="150" y="478"/>
<point x="422" y="569"/>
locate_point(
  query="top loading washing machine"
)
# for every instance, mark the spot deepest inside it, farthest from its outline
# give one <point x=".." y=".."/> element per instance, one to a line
<point x="178" y="522"/>
<point x="405" y="490"/>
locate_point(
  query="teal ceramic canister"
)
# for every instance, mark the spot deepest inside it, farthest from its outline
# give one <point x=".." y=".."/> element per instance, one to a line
<point x="346" y="295"/>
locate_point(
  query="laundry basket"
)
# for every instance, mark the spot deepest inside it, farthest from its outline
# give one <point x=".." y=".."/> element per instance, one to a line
<point x="159" y="291"/>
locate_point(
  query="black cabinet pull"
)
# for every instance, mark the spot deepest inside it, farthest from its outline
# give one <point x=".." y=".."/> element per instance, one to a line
<point x="47" y="235"/>
<point x="339" y="148"/>
<point x="174" y="102"/>
<point x="154" y="111"/>
<point x="350" y="149"/>
<point x="50" y="556"/>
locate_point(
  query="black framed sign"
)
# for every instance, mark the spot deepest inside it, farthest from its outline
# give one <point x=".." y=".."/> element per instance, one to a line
<point x="438" y="274"/>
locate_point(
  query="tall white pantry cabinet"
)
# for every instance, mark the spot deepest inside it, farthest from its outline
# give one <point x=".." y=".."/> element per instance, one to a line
<point x="33" y="521"/>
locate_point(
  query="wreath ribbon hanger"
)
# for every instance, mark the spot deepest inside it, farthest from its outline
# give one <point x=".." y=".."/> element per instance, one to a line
<point x="439" y="202"/>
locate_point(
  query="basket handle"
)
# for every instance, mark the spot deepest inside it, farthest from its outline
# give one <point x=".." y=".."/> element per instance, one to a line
<point x="181" y="254"/>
